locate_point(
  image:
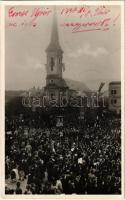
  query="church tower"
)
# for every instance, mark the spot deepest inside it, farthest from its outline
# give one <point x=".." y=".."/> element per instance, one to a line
<point x="54" y="54"/>
<point x="54" y="67"/>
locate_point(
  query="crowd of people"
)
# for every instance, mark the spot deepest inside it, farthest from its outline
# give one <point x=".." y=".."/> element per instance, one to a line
<point x="64" y="160"/>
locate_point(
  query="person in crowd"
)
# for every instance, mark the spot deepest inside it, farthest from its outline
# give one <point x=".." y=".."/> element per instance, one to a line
<point x="70" y="160"/>
<point x="18" y="189"/>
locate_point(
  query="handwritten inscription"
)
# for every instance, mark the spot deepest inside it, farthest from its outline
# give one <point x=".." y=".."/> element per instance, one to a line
<point x="14" y="13"/>
<point x="37" y="12"/>
<point x="86" y="11"/>
<point x="88" y="18"/>
<point x="96" y="25"/>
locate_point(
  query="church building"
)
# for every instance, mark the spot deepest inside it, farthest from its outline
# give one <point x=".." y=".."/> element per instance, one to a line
<point x="57" y="89"/>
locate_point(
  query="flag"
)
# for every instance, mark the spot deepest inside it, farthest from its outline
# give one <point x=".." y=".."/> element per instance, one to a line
<point x="101" y="86"/>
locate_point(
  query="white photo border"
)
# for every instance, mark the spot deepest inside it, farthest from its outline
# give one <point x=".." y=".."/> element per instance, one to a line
<point x="2" y="100"/>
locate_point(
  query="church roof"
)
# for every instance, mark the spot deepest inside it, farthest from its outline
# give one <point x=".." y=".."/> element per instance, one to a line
<point x="80" y="87"/>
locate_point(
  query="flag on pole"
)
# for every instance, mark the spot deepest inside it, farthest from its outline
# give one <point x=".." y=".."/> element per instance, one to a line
<point x="101" y="86"/>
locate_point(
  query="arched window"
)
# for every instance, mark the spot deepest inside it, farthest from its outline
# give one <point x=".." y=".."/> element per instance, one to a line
<point x="52" y="63"/>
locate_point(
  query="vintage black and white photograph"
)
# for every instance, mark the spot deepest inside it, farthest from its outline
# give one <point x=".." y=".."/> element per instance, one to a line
<point x="63" y="99"/>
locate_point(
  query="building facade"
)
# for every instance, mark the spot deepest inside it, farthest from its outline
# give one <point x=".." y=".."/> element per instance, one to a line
<point x="115" y="96"/>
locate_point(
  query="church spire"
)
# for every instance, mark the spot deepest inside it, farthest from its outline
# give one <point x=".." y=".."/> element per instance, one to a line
<point x="54" y="42"/>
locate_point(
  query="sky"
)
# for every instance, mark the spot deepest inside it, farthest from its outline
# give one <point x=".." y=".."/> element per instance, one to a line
<point x="90" y="57"/>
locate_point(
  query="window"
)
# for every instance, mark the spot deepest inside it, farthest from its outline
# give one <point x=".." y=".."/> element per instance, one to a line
<point x="51" y="81"/>
<point x="52" y="95"/>
<point x="52" y="64"/>
<point x="113" y="91"/>
<point x="113" y="101"/>
<point x="64" y="93"/>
